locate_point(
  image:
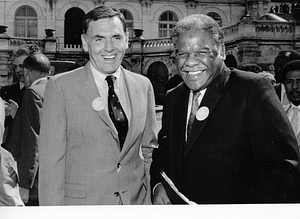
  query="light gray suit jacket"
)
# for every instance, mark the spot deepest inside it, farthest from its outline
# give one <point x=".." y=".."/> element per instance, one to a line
<point x="80" y="160"/>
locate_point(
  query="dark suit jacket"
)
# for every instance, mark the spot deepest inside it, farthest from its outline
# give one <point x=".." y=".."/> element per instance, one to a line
<point x="13" y="92"/>
<point x="239" y="153"/>
<point x="26" y="129"/>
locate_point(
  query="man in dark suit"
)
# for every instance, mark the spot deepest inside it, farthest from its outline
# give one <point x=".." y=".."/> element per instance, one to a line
<point x="240" y="147"/>
<point x="26" y="126"/>
<point x="12" y="94"/>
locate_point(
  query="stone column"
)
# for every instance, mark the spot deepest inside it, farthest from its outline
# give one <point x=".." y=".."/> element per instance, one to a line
<point x="146" y="17"/>
<point x="50" y="41"/>
<point x="4" y="56"/>
<point x="191" y="6"/>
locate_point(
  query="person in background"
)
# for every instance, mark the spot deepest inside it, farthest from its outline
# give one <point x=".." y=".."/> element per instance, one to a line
<point x="281" y="59"/>
<point x="12" y="94"/>
<point x="9" y="188"/>
<point x="98" y="125"/>
<point x="291" y="78"/>
<point x="218" y="142"/>
<point x="172" y="82"/>
<point x="269" y="76"/>
<point x="26" y="126"/>
<point x="250" y="67"/>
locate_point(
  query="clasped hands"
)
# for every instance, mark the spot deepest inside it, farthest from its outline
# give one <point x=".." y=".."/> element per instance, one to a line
<point x="11" y="108"/>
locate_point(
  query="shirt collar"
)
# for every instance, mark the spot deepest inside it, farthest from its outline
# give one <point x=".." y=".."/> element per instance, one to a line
<point x="100" y="77"/>
<point x="21" y="84"/>
<point x="290" y="106"/>
<point x="38" y="81"/>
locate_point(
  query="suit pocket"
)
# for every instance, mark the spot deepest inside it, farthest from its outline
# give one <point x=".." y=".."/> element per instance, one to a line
<point x="75" y="190"/>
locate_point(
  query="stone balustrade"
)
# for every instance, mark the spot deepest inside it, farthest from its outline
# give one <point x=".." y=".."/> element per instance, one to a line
<point x="261" y="29"/>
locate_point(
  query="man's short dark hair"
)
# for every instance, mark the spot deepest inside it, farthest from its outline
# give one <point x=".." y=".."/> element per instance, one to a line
<point x="290" y="66"/>
<point x="102" y="12"/>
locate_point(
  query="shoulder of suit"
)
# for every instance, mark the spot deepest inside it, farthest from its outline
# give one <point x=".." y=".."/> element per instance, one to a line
<point x="69" y="74"/>
<point x="10" y="86"/>
<point x="245" y="74"/>
<point x="136" y="76"/>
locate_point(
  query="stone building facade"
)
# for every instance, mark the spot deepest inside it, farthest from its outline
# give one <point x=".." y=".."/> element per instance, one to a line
<point x="252" y="35"/>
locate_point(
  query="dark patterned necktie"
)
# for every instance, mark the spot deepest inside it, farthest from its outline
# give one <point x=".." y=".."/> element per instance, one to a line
<point x="116" y="112"/>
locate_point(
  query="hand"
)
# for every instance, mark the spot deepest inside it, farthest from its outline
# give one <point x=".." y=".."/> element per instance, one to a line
<point x="24" y="193"/>
<point x="11" y="108"/>
<point x="160" y="196"/>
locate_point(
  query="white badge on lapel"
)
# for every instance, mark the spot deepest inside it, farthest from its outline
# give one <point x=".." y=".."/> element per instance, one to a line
<point x="202" y="113"/>
<point x="98" y="104"/>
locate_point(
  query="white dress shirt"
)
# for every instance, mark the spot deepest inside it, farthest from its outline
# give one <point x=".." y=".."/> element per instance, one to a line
<point x="290" y="112"/>
<point x="119" y="86"/>
<point x="38" y="81"/>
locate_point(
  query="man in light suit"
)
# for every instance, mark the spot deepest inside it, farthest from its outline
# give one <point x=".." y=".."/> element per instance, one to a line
<point x="240" y="147"/>
<point x="82" y="159"/>
<point x="26" y="125"/>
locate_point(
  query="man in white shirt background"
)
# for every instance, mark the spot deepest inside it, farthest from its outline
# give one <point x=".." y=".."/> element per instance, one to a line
<point x="291" y="79"/>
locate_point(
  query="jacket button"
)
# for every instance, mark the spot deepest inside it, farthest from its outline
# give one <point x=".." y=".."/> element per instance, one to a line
<point x="118" y="167"/>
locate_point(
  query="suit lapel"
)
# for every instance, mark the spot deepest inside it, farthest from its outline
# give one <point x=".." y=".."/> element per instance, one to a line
<point x="210" y="100"/>
<point x="89" y="91"/>
<point x="179" y="124"/>
<point x="298" y="139"/>
<point x="134" y="96"/>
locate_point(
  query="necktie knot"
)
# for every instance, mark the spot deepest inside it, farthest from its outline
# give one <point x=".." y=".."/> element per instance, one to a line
<point x="110" y="80"/>
<point x="196" y="95"/>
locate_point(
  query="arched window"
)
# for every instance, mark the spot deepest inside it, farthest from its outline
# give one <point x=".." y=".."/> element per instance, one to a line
<point x="73" y="27"/>
<point x="216" y="17"/>
<point x="129" y="21"/>
<point x="167" y="21"/>
<point x="26" y="22"/>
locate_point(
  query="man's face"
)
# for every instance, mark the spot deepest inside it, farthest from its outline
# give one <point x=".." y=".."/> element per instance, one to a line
<point x="292" y="86"/>
<point x="18" y="66"/>
<point x="106" y="43"/>
<point x="199" y="58"/>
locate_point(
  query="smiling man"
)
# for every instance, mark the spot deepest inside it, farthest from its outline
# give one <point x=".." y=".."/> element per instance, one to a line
<point x="98" y="125"/>
<point x="225" y="137"/>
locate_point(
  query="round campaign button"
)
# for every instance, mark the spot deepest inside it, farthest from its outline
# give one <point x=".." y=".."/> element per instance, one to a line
<point x="202" y="113"/>
<point x="98" y="104"/>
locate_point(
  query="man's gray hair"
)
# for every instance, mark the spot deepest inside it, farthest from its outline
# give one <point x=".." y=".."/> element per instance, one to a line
<point x="198" y="22"/>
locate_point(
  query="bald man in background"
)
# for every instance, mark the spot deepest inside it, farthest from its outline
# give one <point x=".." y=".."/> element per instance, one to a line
<point x="26" y="126"/>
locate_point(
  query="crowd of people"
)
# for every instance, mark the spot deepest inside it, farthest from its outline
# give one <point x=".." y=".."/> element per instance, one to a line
<point x="87" y="136"/>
